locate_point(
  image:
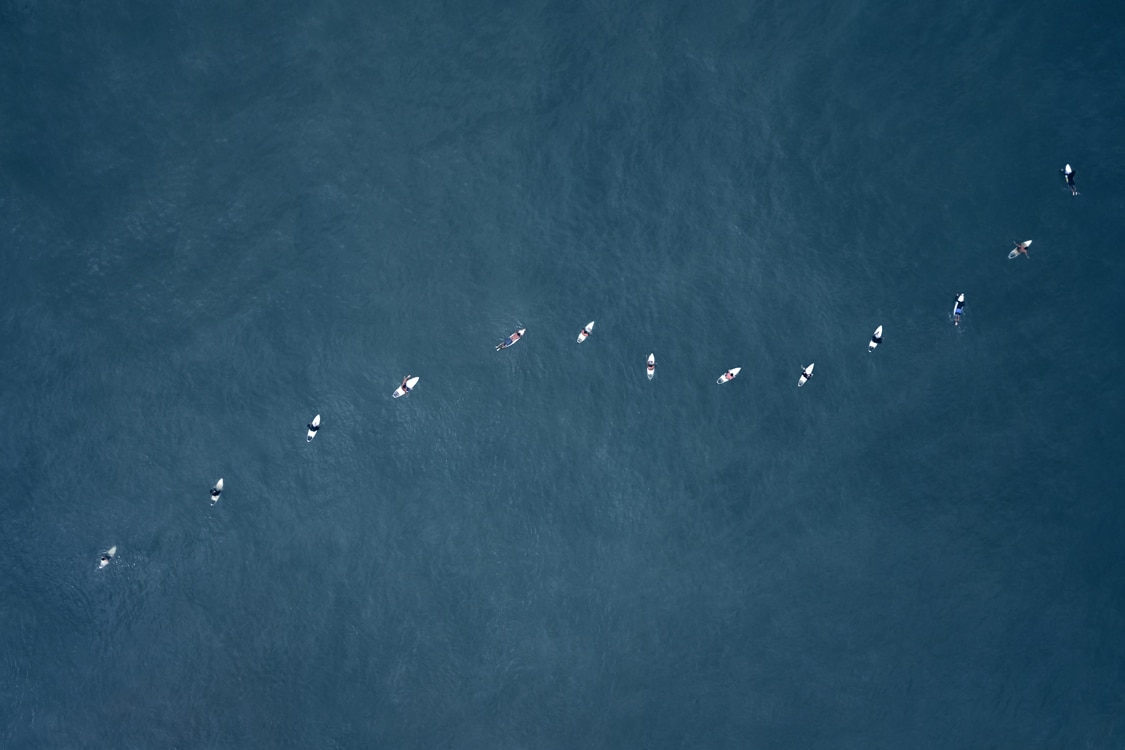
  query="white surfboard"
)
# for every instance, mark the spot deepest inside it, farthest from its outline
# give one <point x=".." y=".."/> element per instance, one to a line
<point x="1025" y="244"/>
<point x="216" y="491"/>
<point x="876" y="339"/>
<point x="511" y="339"/>
<point x="958" y="304"/>
<point x="650" y="366"/>
<point x="729" y="375"/>
<point x="805" y="375"/>
<point x="407" y="386"/>
<point x="314" y="425"/>
<point x="586" y="332"/>
<point x="105" y="558"/>
<point x="1068" y="175"/>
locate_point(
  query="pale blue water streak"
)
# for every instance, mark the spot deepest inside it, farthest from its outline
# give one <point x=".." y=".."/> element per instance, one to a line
<point x="221" y="221"/>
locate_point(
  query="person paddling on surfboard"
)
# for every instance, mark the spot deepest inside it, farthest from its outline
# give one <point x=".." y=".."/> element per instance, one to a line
<point x="1021" y="248"/>
<point x="1068" y="174"/>
<point x="511" y="339"/>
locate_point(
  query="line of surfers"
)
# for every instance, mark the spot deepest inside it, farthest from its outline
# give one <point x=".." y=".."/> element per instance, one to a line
<point x="650" y="363"/>
<point x="410" y="381"/>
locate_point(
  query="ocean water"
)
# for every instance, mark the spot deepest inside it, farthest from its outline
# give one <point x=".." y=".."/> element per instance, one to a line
<point x="218" y="220"/>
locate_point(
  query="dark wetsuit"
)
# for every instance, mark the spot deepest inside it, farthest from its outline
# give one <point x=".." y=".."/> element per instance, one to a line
<point x="1069" y="176"/>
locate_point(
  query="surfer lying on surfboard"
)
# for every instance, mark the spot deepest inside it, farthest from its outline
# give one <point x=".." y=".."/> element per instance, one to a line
<point x="1068" y="174"/>
<point x="511" y="339"/>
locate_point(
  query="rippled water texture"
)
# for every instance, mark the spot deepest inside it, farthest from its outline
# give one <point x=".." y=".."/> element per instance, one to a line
<point x="221" y="219"/>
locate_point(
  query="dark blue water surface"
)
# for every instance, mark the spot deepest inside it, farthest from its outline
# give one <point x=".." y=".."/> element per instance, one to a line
<point x="219" y="219"/>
